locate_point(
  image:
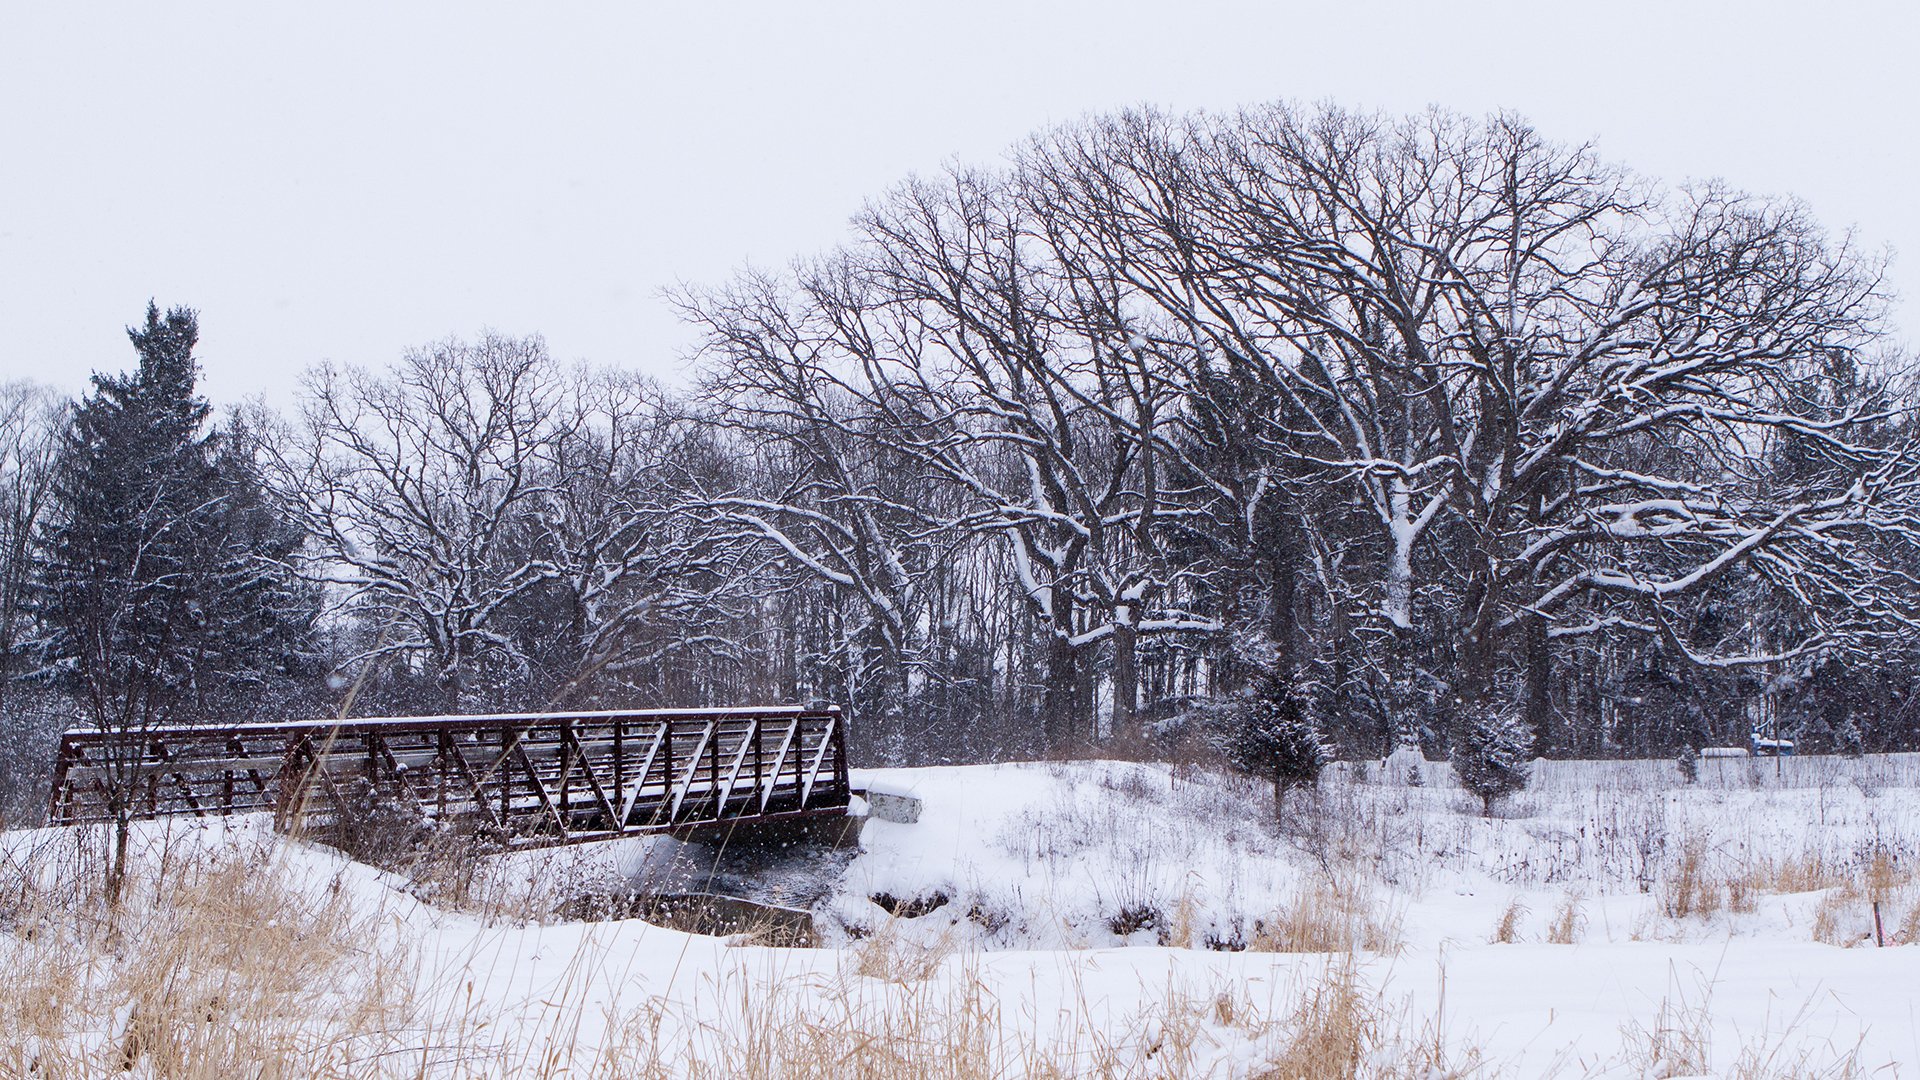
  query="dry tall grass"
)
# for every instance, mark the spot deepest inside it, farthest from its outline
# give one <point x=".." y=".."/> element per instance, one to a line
<point x="1690" y="891"/>
<point x="213" y="965"/>
<point x="1865" y="907"/>
<point x="1328" y="915"/>
<point x="1869" y="898"/>
<point x="1336" y="1028"/>
<point x="1569" y="921"/>
<point x="1340" y="1030"/>
<point x="1680" y="1039"/>
<point x="1506" y="930"/>
<point x="227" y="958"/>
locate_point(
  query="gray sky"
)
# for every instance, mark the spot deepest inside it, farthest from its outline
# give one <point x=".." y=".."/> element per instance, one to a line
<point x="341" y="181"/>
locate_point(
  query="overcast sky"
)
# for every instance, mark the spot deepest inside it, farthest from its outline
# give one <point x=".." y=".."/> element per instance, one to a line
<point x="342" y="181"/>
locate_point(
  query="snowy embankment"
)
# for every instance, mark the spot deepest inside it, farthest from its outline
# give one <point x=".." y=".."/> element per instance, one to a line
<point x="1046" y="856"/>
<point x="1609" y="903"/>
<point x="1083" y="919"/>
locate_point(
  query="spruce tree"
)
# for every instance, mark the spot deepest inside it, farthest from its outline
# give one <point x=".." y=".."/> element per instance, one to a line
<point x="115" y="550"/>
<point x="257" y="654"/>
<point x="119" y="538"/>
<point x="1688" y="762"/>
<point x="154" y="584"/>
<point x="157" y="586"/>
<point x="1489" y="754"/>
<point x="1271" y="735"/>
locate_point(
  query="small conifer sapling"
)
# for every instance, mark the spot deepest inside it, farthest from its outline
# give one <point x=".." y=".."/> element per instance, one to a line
<point x="1688" y="762"/>
<point x="1272" y="735"/>
<point x="1490" y="755"/>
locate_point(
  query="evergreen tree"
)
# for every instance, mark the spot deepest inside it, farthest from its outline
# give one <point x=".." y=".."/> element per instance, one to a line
<point x="1688" y="762"/>
<point x="1271" y="734"/>
<point x="1490" y="754"/>
<point x="118" y="542"/>
<point x="256" y="649"/>
<point x="155" y="581"/>
<point x="157" y="586"/>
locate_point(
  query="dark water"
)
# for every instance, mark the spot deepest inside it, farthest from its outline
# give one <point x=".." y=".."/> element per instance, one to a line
<point x="760" y="885"/>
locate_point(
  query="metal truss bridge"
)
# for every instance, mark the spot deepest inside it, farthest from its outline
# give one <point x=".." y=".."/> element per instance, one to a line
<point x="530" y="780"/>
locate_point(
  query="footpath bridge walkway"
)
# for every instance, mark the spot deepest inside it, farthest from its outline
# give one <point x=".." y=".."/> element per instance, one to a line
<point x="532" y="779"/>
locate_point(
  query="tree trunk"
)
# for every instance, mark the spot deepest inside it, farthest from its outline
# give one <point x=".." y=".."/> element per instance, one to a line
<point x="1126" y="675"/>
<point x="1539" y="688"/>
<point x="450" y="679"/>
<point x="1473" y="679"/>
<point x="1403" y="690"/>
<point x="1080" y="725"/>
<point x="790" y="658"/>
<point x="117" y="872"/>
<point x="1282" y="626"/>
<point x="1057" y="697"/>
<point x="886" y="696"/>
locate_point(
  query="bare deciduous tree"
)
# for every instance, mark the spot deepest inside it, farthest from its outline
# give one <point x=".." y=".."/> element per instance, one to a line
<point x="414" y="486"/>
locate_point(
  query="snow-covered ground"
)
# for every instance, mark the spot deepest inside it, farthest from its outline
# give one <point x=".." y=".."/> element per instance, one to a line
<point x="1610" y="899"/>
<point x="1095" y="918"/>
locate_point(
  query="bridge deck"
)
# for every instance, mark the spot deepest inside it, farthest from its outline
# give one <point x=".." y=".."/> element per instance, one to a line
<point x="535" y="779"/>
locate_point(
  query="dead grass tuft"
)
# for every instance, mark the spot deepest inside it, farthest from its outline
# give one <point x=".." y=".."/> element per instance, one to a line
<point x="1507" y="930"/>
<point x="1810" y="871"/>
<point x="1340" y="1029"/>
<point x="1861" y="911"/>
<point x="1844" y="915"/>
<point x="1330" y="1031"/>
<point x="1178" y="932"/>
<point x="1679" y="1043"/>
<point x="888" y="957"/>
<point x="1569" y="921"/>
<point x="1909" y="928"/>
<point x="1336" y="916"/>
<point x="1689" y="891"/>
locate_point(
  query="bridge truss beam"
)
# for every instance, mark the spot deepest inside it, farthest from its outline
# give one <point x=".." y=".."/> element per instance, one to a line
<point x="534" y="779"/>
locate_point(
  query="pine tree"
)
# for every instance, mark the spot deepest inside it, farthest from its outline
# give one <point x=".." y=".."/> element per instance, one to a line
<point x="1490" y="754"/>
<point x="159" y="588"/>
<point x="1688" y="762"/>
<point x="120" y="537"/>
<point x="1270" y="734"/>
<point x="155" y="586"/>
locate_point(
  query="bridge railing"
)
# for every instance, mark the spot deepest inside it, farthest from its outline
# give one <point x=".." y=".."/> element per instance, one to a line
<point x="534" y="778"/>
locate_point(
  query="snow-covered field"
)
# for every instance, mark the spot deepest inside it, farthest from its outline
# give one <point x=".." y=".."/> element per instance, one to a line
<point x="1102" y="919"/>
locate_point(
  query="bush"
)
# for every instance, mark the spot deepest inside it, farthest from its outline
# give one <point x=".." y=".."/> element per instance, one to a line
<point x="372" y="826"/>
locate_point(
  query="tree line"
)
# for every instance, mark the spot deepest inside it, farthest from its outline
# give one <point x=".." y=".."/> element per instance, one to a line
<point x="1415" y="425"/>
